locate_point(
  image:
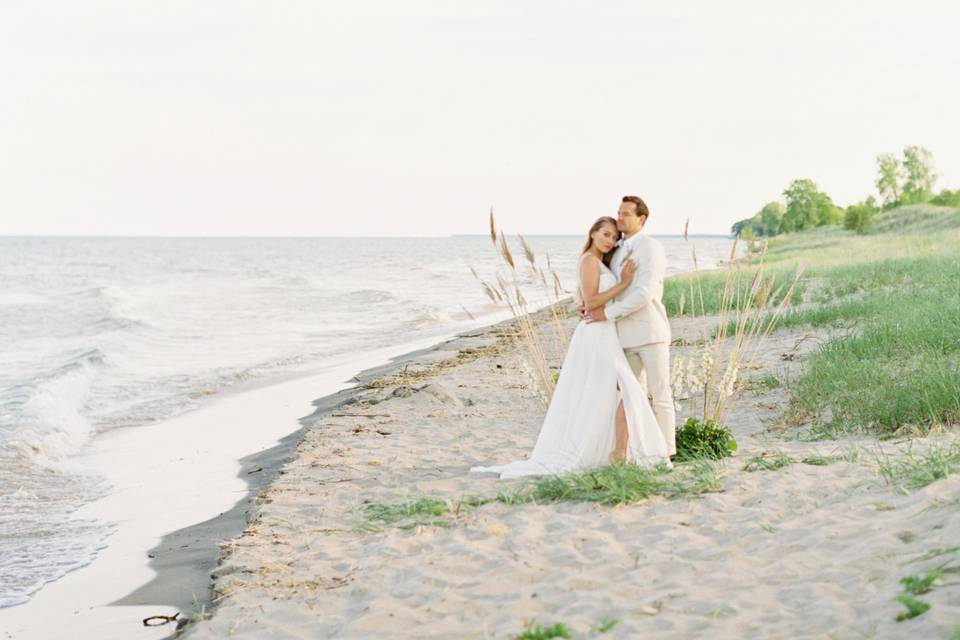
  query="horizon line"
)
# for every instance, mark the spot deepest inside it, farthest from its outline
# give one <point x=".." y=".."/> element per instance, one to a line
<point x="332" y="237"/>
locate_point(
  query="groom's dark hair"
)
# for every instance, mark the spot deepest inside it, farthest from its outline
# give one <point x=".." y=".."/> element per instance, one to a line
<point x="642" y="209"/>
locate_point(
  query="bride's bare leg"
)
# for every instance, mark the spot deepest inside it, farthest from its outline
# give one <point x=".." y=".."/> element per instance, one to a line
<point x="620" y="448"/>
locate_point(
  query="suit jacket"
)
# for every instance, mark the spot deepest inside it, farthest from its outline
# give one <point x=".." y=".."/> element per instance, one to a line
<point x="638" y="311"/>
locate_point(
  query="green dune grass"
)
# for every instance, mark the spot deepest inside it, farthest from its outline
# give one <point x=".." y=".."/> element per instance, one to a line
<point x="895" y="294"/>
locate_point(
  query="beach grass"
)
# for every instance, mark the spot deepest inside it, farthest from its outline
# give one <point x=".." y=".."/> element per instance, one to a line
<point x="901" y="370"/>
<point x="538" y="632"/>
<point x="768" y="461"/>
<point x="921" y="584"/>
<point x="911" y="471"/>
<point x="890" y="301"/>
<point x="702" y="293"/>
<point x="617" y="484"/>
<point x="562" y="630"/>
<point x="604" y="626"/>
<point x="914" y="607"/>
<point x="625" y="483"/>
<point x="405" y="515"/>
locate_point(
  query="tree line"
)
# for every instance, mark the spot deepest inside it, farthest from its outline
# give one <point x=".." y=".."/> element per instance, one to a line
<point x="900" y="181"/>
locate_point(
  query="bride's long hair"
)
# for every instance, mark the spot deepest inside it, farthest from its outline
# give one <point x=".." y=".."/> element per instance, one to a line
<point x="596" y="225"/>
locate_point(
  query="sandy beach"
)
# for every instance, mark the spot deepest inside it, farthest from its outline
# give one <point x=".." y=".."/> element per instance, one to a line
<point x="173" y="504"/>
<point x="811" y="550"/>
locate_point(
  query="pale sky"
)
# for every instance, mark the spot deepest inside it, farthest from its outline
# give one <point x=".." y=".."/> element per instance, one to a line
<point x="409" y="117"/>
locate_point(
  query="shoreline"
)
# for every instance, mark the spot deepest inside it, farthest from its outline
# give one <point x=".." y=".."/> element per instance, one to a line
<point x="181" y="571"/>
<point x="171" y="572"/>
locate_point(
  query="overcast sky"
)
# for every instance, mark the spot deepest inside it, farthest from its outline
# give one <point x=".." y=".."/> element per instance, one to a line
<point x="414" y="117"/>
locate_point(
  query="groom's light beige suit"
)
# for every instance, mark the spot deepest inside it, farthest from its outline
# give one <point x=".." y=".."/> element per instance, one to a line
<point x="643" y="326"/>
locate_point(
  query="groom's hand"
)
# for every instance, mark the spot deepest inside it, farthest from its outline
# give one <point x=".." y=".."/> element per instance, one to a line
<point x="597" y="315"/>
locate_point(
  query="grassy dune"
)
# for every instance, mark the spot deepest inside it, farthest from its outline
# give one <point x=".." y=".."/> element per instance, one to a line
<point x="895" y="294"/>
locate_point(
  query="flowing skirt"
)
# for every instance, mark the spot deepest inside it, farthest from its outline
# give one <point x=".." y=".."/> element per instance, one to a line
<point x="578" y="432"/>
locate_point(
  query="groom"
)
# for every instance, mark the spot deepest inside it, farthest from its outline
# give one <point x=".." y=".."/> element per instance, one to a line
<point x="639" y="313"/>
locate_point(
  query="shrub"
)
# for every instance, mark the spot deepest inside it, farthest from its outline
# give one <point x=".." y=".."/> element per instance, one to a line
<point x="859" y="217"/>
<point x="704" y="439"/>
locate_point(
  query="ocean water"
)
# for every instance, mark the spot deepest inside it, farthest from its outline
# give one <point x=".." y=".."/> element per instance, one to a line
<point x="107" y="333"/>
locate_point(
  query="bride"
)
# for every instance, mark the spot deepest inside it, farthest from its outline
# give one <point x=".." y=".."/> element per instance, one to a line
<point x="599" y="412"/>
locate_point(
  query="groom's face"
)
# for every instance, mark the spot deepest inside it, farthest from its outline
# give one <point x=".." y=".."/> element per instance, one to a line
<point x="628" y="221"/>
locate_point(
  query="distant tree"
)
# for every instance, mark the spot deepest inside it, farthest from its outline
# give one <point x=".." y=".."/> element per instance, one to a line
<point x="765" y="222"/>
<point x="740" y="225"/>
<point x="827" y="212"/>
<point x="771" y="216"/>
<point x="859" y="217"/>
<point x="919" y="174"/>
<point x="889" y="178"/>
<point x="808" y="207"/>
<point x="947" y="198"/>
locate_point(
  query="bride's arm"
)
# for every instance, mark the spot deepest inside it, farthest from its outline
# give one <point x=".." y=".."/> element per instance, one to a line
<point x="590" y="283"/>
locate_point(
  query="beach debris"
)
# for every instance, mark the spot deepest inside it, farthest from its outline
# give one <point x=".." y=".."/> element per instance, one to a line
<point x="158" y="621"/>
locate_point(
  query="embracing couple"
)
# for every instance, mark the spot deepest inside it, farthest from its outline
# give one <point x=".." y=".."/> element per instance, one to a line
<point x="618" y="354"/>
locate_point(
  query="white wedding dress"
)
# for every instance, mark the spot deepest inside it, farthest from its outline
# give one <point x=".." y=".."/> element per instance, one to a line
<point x="578" y="431"/>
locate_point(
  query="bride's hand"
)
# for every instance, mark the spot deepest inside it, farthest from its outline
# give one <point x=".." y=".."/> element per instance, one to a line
<point x="628" y="271"/>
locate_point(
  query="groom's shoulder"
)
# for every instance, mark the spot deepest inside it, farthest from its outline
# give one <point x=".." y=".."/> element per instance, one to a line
<point x="650" y="241"/>
<point x="653" y="245"/>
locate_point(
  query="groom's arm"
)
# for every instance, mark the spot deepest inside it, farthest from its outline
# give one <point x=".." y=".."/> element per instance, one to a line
<point x="651" y="267"/>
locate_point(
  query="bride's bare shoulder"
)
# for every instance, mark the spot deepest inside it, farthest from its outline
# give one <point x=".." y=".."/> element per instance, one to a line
<point x="588" y="259"/>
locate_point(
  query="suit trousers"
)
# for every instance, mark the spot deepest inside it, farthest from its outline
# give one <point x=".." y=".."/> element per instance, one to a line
<point x="652" y="361"/>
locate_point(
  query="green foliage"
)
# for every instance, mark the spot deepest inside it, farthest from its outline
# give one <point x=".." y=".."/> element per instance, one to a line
<point x="768" y="461"/>
<point x="765" y="223"/>
<point x="605" y="626"/>
<point x="895" y="365"/>
<point x="624" y="483"/>
<point x="859" y="217"/>
<point x="698" y="439"/>
<point x="902" y="368"/>
<point x="536" y="632"/>
<point x="919" y="175"/>
<point x="405" y="515"/>
<point x="915" y="471"/>
<point x="768" y="381"/>
<point x="889" y="179"/>
<point x="919" y="585"/>
<point x="947" y="198"/>
<point x="770" y="218"/>
<point x="619" y="483"/>
<point x="808" y="207"/>
<point x="708" y="287"/>
<point x="914" y="607"/>
<point x="899" y="182"/>
<point x="906" y="181"/>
